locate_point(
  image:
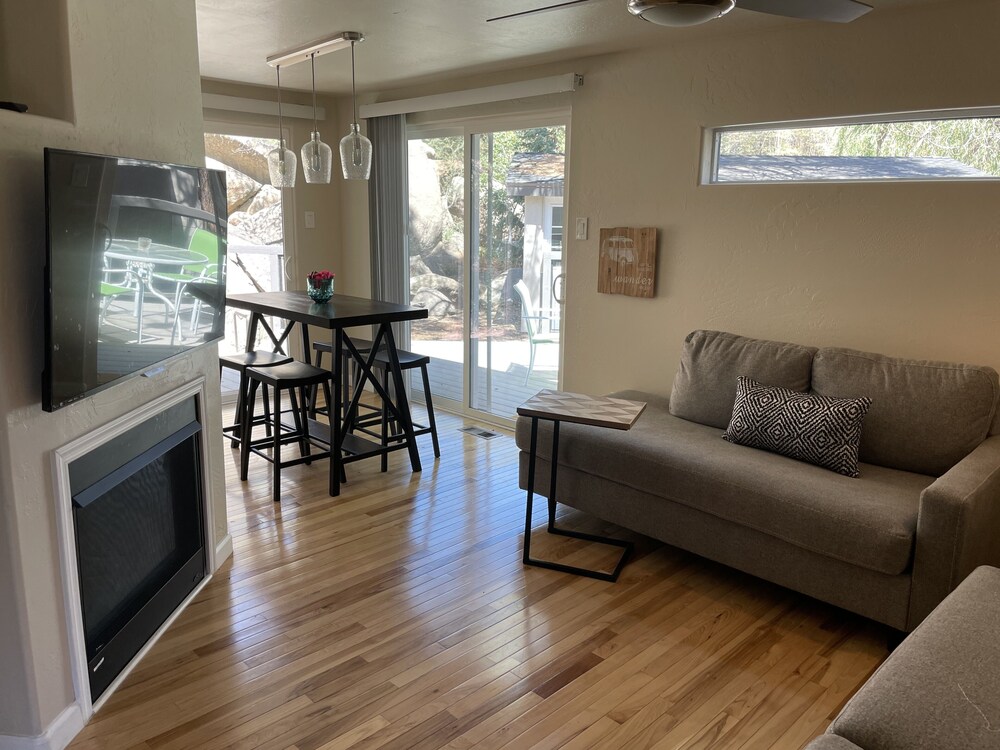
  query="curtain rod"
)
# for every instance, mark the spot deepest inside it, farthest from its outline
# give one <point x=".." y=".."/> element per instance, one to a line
<point x="500" y="93"/>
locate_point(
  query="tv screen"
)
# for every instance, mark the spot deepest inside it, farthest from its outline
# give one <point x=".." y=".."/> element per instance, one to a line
<point x="135" y="268"/>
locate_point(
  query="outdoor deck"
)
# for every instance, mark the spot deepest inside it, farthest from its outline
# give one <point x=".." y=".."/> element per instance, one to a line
<point x="504" y="390"/>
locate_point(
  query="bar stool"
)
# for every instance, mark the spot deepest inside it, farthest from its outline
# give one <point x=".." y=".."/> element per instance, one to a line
<point x="289" y="377"/>
<point x="407" y="361"/>
<point x="240" y="362"/>
<point x="377" y="415"/>
<point x="349" y="370"/>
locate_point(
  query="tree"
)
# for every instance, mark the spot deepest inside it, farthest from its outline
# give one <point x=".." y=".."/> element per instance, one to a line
<point x="973" y="141"/>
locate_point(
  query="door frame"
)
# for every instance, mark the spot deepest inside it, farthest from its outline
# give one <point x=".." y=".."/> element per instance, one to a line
<point x="467" y="127"/>
<point x="289" y="266"/>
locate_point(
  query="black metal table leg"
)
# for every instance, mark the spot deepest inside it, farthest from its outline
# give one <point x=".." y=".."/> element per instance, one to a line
<point x="336" y="439"/>
<point x="526" y="558"/>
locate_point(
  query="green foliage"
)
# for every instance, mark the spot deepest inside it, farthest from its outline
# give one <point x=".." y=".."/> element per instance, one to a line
<point x="975" y="142"/>
<point x="501" y="216"/>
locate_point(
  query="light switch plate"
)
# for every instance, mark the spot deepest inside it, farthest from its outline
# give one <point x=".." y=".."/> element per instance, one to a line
<point x="310" y="219"/>
<point x="581" y="229"/>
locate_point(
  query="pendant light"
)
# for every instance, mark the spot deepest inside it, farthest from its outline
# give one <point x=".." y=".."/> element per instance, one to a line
<point x="317" y="157"/>
<point x="355" y="149"/>
<point x="281" y="162"/>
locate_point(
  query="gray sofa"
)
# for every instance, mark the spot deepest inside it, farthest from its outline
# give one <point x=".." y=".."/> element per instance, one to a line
<point x="889" y="545"/>
<point x="939" y="689"/>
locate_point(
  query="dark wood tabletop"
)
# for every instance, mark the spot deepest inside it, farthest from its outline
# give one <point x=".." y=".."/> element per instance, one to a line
<point x="342" y="311"/>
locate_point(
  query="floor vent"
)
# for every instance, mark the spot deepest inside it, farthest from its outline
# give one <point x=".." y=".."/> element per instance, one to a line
<point x="479" y="432"/>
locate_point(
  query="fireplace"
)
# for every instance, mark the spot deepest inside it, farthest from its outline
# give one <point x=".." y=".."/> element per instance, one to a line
<point x="134" y="523"/>
<point x="140" y="545"/>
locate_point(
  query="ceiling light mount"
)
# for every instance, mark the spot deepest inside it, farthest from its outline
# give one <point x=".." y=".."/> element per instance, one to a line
<point x="302" y="53"/>
<point x="679" y="13"/>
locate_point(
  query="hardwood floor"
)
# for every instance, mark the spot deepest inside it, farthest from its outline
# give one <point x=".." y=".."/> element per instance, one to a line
<point x="399" y="616"/>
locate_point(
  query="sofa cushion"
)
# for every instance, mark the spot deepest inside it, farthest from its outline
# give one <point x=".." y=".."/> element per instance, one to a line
<point x="805" y="426"/>
<point x="925" y="416"/>
<point x="705" y="385"/>
<point x="938" y="690"/>
<point x="831" y="742"/>
<point x="868" y="522"/>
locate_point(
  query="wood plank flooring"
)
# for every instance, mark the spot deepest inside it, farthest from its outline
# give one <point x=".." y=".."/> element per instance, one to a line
<point x="399" y="616"/>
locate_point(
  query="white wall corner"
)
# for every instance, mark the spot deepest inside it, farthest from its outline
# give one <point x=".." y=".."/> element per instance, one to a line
<point x="59" y="734"/>
<point x="223" y="551"/>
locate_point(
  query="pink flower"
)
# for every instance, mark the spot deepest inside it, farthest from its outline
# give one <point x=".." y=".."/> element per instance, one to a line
<point x="319" y="277"/>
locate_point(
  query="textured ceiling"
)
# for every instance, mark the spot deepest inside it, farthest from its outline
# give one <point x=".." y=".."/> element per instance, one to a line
<point x="415" y="41"/>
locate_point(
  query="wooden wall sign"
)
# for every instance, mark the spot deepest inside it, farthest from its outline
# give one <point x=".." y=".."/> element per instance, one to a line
<point x="628" y="261"/>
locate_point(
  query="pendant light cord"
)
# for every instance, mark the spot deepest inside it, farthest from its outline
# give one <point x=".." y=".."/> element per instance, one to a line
<point x="315" y="126"/>
<point x="281" y="130"/>
<point x="354" y="85"/>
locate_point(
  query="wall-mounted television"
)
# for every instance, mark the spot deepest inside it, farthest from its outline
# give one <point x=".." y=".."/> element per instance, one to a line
<point x="135" y="268"/>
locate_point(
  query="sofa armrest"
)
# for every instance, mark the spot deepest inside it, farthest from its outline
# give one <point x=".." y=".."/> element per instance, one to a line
<point x="958" y="528"/>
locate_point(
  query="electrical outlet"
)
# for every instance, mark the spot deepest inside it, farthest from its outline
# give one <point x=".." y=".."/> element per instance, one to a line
<point x="581" y="229"/>
<point x="310" y="219"/>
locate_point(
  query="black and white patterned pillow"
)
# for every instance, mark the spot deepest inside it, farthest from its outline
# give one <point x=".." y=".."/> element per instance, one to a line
<point x="808" y="427"/>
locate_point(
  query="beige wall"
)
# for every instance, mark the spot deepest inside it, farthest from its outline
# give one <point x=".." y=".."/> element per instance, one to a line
<point x="905" y="269"/>
<point x="135" y="91"/>
<point x="34" y="57"/>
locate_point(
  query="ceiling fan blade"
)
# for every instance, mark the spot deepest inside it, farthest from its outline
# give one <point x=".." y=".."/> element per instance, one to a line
<point x="838" y="11"/>
<point x="545" y="9"/>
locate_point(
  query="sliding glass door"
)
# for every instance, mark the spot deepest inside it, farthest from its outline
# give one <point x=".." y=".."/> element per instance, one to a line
<point x="485" y="241"/>
<point x="256" y="245"/>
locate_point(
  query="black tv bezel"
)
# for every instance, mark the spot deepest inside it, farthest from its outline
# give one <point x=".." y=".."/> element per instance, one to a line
<point x="153" y="367"/>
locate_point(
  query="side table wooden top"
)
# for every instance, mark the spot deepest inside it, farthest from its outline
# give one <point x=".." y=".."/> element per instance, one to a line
<point x="599" y="411"/>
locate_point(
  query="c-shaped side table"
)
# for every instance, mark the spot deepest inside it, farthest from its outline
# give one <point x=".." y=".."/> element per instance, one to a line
<point x="556" y="407"/>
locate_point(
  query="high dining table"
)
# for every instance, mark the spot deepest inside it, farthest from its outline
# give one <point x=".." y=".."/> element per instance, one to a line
<point x="342" y="311"/>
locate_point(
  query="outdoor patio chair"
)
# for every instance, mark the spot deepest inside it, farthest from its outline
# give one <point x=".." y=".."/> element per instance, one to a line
<point x="115" y="282"/>
<point x="206" y="243"/>
<point x="533" y="325"/>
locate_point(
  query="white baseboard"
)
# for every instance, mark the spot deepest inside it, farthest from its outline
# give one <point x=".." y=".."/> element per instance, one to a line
<point x="223" y="551"/>
<point x="60" y="733"/>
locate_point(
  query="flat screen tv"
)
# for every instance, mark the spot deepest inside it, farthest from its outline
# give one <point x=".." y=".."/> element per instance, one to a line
<point x="135" y="268"/>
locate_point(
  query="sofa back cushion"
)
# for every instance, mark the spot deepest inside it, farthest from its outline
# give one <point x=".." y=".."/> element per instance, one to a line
<point x="705" y="386"/>
<point x="925" y="416"/>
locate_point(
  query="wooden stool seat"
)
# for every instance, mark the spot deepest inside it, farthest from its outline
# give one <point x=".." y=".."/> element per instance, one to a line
<point x="291" y="377"/>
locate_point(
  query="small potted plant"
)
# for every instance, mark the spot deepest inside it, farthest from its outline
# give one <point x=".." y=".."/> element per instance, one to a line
<point x="319" y="284"/>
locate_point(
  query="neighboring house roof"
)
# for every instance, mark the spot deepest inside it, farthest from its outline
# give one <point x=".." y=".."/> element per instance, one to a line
<point x="536" y="174"/>
<point x="805" y="168"/>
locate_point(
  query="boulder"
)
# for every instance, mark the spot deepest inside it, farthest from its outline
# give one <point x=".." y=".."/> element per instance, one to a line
<point x="437" y="304"/>
<point x="240" y="190"/>
<point x="261" y="228"/>
<point x="417" y="267"/>
<point x="447" y="258"/>
<point x="449" y="287"/>
<point x="267" y="196"/>
<point x="426" y="206"/>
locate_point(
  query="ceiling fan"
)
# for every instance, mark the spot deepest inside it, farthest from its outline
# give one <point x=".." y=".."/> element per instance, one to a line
<point x="693" y="12"/>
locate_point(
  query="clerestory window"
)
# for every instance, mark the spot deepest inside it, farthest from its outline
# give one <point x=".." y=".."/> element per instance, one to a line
<point x="914" y="146"/>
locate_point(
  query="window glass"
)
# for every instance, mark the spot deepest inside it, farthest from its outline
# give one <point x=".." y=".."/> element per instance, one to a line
<point x="943" y="148"/>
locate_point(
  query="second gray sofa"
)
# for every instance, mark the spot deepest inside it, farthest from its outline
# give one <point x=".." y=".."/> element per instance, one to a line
<point x="939" y="689"/>
<point x="889" y="545"/>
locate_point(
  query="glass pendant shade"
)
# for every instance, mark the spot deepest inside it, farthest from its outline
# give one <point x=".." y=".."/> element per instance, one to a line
<point x="317" y="160"/>
<point x="356" y="155"/>
<point x="281" y="164"/>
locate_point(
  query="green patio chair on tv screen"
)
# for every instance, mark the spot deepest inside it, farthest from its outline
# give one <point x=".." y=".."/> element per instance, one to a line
<point x="206" y="243"/>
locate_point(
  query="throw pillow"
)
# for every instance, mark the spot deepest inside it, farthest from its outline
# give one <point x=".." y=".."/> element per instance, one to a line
<point x="820" y="430"/>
